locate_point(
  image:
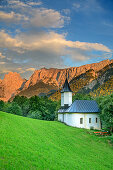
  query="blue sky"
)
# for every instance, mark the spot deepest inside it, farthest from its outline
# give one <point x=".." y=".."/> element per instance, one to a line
<point x="50" y="33"/>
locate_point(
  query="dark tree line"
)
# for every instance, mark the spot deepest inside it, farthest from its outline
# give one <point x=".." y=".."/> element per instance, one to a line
<point x="45" y="109"/>
<point x="35" y="107"/>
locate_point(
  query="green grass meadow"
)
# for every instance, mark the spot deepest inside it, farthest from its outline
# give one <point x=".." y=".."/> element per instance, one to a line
<point x="27" y="143"/>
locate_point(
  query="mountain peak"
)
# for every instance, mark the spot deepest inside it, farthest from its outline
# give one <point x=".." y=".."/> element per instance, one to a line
<point x="10" y="84"/>
<point x="53" y="77"/>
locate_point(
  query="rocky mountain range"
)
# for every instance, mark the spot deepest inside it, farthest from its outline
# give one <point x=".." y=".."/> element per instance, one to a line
<point x="50" y="81"/>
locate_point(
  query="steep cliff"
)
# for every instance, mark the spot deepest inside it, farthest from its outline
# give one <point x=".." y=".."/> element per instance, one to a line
<point x="57" y="77"/>
<point x="9" y="85"/>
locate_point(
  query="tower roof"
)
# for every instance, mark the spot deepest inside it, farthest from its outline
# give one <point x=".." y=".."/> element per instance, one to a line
<point x="66" y="87"/>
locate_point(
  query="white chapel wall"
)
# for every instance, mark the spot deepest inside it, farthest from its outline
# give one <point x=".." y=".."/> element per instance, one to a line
<point x="60" y="117"/>
<point x="93" y="121"/>
<point x="74" y="120"/>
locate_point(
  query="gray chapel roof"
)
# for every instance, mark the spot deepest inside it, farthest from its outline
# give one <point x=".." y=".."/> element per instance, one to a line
<point x="81" y="106"/>
<point x="66" y="87"/>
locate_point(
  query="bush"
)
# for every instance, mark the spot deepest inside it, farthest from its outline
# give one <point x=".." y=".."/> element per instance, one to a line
<point x="23" y="102"/>
<point x="82" y="96"/>
<point x="106" y="111"/>
<point x="44" y="105"/>
<point x="6" y="106"/>
<point x="35" y="115"/>
<point x="14" y="108"/>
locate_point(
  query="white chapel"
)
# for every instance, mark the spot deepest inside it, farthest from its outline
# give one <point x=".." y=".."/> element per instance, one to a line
<point x="80" y="113"/>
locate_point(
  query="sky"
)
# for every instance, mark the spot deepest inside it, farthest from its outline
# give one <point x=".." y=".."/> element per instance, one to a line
<point x="54" y="34"/>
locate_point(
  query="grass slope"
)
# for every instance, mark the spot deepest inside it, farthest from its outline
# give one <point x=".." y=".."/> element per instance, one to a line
<point x="34" y="144"/>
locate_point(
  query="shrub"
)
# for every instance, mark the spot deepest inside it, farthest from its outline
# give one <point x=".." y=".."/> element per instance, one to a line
<point x="106" y="111"/>
<point x="35" y="114"/>
<point x="14" y="108"/>
<point x="23" y="102"/>
<point x="82" y="96"/>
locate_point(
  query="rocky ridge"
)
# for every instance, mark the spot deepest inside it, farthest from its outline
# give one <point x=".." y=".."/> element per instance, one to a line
<point x="50" y="80"/>
<point x="57" y="77"/>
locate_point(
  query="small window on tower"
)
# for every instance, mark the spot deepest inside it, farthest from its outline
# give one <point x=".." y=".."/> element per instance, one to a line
<point x="96" y="119"/>
<point x="81" y="120"/>
<point x="89" y="120"/>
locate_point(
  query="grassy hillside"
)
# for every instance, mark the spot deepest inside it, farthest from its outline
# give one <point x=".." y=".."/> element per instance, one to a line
<point x="34" y="144"/>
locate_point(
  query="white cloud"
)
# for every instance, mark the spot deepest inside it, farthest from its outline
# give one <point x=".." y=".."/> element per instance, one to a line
<point x="48" y="42"/>
<point x="17" y="3"/>
<point x="33" y="17"/>
<point x="34" y="3"/>
<point x="90" y="46"/>
<point x="48" y="18"/>
<point x="6" y="41"/>
<point x="12" y="17"/>
<point x="58" y="42"/>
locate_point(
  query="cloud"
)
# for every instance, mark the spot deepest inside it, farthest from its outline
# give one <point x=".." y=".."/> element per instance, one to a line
<point x="58" y="42"/>
<point x="108" y="24"/>
<point x="48" y="18"/>
<point x="30" y="69"/>
<point x="11" y="17"/>
<point x="30" y="51"/>
<point x="6" y="41"/>
<point x="34" y="15"/>
<point x="87" y="6"/>
<point x="34" y="3"/>
<point x="1" y="63"/>
<point x="76" y="5"/>
<point x="22" y="70"/>
<point x="2" y="56"/>
<point x="90" y="46"/>
<point x="17" y="4"/>
<point x="20" y="4"/>
<point x="66" y="11"/>
<point x="5" y="71"/>
<point x="46" y="42"/>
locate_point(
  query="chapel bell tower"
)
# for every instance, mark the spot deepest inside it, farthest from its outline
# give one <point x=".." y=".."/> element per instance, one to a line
<point x="66" y="95"/>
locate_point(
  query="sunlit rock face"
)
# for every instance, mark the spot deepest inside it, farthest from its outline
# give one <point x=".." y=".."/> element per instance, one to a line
<point x="9" y="85"/>
<point x="57" y="77"/>
<point x="53" y="78"/>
